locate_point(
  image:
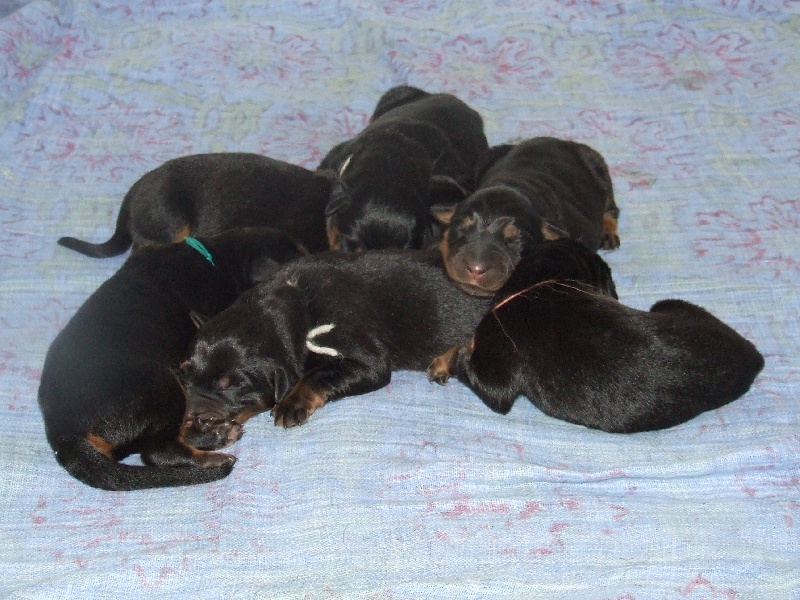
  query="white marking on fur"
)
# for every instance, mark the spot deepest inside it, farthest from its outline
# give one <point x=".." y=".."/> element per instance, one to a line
<point x="317" y="331"/>
<point x="344" y="165"/>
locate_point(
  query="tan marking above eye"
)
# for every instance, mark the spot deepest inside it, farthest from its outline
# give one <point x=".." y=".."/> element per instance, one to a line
<point x="467" y="222"/>
<point x="182" y="233"/>
<point x="510" y="232"/>
<point x="443" y="245"/>
<point x="443" y="214"/>
<point x="551" y="233"/>
<point x="332" y="231"/>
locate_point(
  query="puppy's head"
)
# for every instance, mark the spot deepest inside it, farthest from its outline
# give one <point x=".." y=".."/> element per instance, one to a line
<point x="566" y="261"/>
<point x="382" y="195"/>
<point x="239" y="366"/>
<point x="486" y="235"/>
<point x="358" y="219"/>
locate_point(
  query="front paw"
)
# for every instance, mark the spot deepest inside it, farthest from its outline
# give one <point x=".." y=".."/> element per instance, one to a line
<point x="212" y="460"/>
<point x="299" y="405"/>
<point x="609" y="241"/>
<point x="609" y="236"/>
<point x="438" y="372"/>
<point x="443" y="366"/>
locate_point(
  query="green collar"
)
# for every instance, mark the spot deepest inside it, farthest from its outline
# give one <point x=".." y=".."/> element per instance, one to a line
<point x="197" y="245"/>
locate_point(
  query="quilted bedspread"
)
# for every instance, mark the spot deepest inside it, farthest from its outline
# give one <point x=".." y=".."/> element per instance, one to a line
<point x="418" y="491"/>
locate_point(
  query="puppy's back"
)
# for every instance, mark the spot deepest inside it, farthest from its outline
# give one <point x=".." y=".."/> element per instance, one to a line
<point x="590" y="360"/>
<point x="713" y="349"/>
<point x="462" y="124"/>
<point x="404" y="296"/>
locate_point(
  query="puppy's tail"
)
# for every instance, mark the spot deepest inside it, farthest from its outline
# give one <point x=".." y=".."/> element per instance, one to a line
<point x="87" y="464"/>
<point x="119" y="242"/>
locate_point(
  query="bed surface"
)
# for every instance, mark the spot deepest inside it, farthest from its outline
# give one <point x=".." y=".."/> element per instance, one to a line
<point x="418" y="491"/>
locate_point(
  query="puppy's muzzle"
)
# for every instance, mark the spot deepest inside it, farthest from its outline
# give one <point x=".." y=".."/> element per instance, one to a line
<point x="208" y="431"/>
<point x="479" y="272"/>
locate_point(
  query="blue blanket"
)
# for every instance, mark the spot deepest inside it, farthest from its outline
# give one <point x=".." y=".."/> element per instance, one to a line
<point x="417" y="491"/>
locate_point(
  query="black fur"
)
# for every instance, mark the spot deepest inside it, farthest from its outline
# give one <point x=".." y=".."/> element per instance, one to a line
<point x="205" y="194"/>
<point x="419" y="148"/>
<point x="378" y="312"/>
<point x="537" y="190"/>
<point x="108" y="386"/>
<point x="584" y="357"/>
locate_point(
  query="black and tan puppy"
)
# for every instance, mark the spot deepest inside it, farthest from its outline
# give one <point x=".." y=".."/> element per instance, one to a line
<point x="584" y="357"/>
<point x="419" y="148"/>
<point x="109" y="387"/>
<point x="206" y="194"/>
<point x="541" y="189"/>
<point x="327" y="326"/>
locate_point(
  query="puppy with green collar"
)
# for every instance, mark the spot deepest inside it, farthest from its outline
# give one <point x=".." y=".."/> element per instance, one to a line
<point x="109" y="385"/>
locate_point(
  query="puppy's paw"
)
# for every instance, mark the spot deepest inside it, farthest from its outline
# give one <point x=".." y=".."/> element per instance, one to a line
<point x="443" y="366"/>
<point x="212" y="460"/>
<point x="609" y="241"/>
<point x="438" y="372"/>
<point x="609" y="236"/>
<point x="299" y="405"/>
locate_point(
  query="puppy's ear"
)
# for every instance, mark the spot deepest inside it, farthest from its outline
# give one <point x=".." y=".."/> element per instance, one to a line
<point x="432" y="234"/>
<point x="553" y="232"/>
<point x="443" y="212"/>
<point x="198" y="319"/>
<point x="336" y="156"/>
<point x="281" y="385"/>
<point x="263" y="269"/>
<point x="445" y="190"/>
<point x="339" y="197"/>
<point x="490" y="157"/>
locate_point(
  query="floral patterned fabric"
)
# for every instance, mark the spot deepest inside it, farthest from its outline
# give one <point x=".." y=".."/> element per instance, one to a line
<point x="417" y="491"/>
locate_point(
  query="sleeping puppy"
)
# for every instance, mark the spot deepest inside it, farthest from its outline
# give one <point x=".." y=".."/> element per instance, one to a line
<point x="583" y="357"/>
<point x="327" y="326"/>
<point x="109" y="387"/>
<point x="205" y="194"/>
<point x="541" y="189"/>
<point x="419" y="148"/>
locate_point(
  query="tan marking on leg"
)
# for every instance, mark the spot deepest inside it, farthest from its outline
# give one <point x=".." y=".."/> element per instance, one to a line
<point x="300" y="404"/>
<point x="102" y="445"/>
<point x="208" y="459"/>
<point x="249" y="413"/>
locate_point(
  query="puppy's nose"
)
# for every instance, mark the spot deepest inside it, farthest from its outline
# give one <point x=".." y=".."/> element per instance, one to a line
<point x="476" y="270"/>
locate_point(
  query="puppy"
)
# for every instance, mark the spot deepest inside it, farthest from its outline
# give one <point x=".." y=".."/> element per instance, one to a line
<point x="109" y="387"/>
<point x="583" y="357"/>
<point x="541" y="189"/>
<point x="205" y="194"/>
<point x="419" y="148"/>
<point x="327" y="326"/>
